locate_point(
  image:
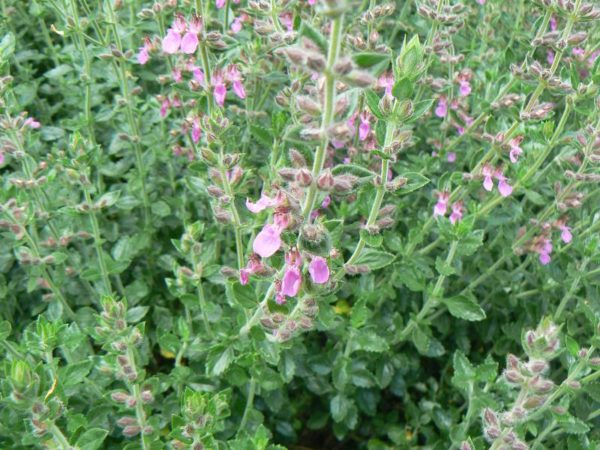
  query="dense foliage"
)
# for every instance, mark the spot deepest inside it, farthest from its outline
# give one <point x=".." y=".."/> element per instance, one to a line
<point x="303" y="224"/>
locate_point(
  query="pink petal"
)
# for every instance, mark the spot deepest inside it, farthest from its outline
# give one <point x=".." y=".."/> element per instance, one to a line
<point x="442" y="108"/>
<point x="143" y="56"/>
<point x="189" y="43"/>
<point x="566" y="235"/>
<point x="504" y="188"/>
<point x="264" y="203"/>
<point x="488" y="183"/>
<point x="267" y="242"/>
<point x="363" y="130"/>
<point x="545" y="258"/>
<point x="239" y="90"/>
<point x="244" y="276"/>
<point x="220" y="93"/>
<point x="440" y="209"/>
<point x="290" y="285"/>
<point x="465" y="88"/>
<point x="220" y="3"/>
<point x="171" y="42"/>
<point x="319" y="270"/>
<point x="236" y="25"/>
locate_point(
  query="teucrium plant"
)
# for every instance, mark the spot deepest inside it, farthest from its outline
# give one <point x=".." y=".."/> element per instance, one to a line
<point x="259" y="224"/>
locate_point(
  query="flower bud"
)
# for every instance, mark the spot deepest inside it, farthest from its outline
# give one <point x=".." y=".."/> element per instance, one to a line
<point x="325" y="181"/>
<point x="131" y="430"/>
<point x="304" y="177"/>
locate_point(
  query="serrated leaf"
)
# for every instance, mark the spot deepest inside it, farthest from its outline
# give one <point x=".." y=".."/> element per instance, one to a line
<point x="360" y="313"/>
<point x="464" y="372"/>
<point x="374" y="259"/>
<point x="219" y="359"/>
<point x="372" y="100"/>
<point x="414" y="181"/>
<point x="403" y="89"/>
<point x="372" y="240"/>
<point x="369" y="341"/>
<point x="136" y="313"/>
<point x="465" y="308"/>
<point x="91" y="439"/>
<point x="262" y="135"/>
<point x="469" y="244"/>
<point x="369" y="59"/>
<point x="5" y="329"/>
<point x="443" y="267"/>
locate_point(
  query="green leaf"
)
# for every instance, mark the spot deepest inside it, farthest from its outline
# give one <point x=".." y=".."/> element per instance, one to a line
<point x="262" y="135"/>
<point x="352" y="169"/>
<point x="74" y="373"/>
<point x="136" y="314"/>
<point x="339" y="407"/>
<point x="443" y="267"/>
<point x="464" y="372"/>
<point x="91" y="439"/>
<point x="465" y="308"/>
<point x="369" y="59"/>
<point x="372" y="100"/>
<point x="369" y="341"/>
<point x="244" y="296"/>
<point x="469" y="244"/>
<point x="571" y="425"/>
<point x="572" y="345"/>
<point x="5" y="329"/>
<point x="7" y="47"/>
<point x="360" y="313"/>
<point x="219" y="359"/>
<point x="403" y="89"/>
<point x="108" y="199"/>
<point x="414" y="181"/>
<point x="374" y="259"/>
<point x="372" y="240"/>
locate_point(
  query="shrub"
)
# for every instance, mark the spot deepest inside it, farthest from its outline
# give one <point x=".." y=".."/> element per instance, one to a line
<point x="300" y="224"/>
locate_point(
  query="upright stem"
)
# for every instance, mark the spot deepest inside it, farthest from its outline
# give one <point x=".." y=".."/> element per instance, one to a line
<point x="328" y="112"/>
<point x="98" y="242"/>
<point x="133" y="125"/>
<point x="389" y="137"/>
<point x="249" y="403"/>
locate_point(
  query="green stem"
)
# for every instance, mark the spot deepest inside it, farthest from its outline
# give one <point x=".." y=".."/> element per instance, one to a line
<point x="98" y="242"/>
<point x="249" y="404"/>
<point x="59" y="437"/>
<point x="328" y="112"/>
<point x="574" y="285"/>
<point x="433" y="299"/>
<point x="389" y="137"/>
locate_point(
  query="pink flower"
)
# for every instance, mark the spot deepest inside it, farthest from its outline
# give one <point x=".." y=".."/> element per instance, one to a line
<point x="268" y="241"/>
<point x="171" y="42"/>
<point x="312" y="2"/>
<point x="326" y="202"/>
<point x="1" y="158"/>
<point x="32" y="123"/>
<point x="220" y="3"/>
<point x="176" y="73"/>
<point x="545" y="249"/>
<point x="143" y="56"/>
<point x="504" y="188"/>
<point x="457" y="212"/>
<point x="196" y="131"/>
<point x="319" y="270"/>
<point x="264" y="203"/>
<point x="464" y="88"/>
<point x="189" y="43"/>
<point x="236" y="25"/>
<point x="451" y="157"/>
<point x="550" y="57"/>
<point x="481" y="2"/>
<point x="234" y="76"/>
<point x="441" y="206"/>
<point x="365" y="126"/>
<point x="254" y="266"/>
<point x="488" y="183"/>
<point x="386" y="81"/>
<point x="565" y="234"/>
<point x="287" y="20"/>
<point x="220" y="90"/>
<point x="553" y="24"/>
<point x="164" y="107"/>
<point x="290" y="284"/>
<point x="515" y="149"/>
<point x="198" y="75"/>
<point x="578" y="51"/>
<point x="442" y="107"/>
